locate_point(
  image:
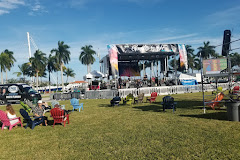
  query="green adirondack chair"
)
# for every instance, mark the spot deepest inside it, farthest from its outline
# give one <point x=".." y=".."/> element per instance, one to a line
<point x="129" y="99"/>
<point x="26" y="107"/>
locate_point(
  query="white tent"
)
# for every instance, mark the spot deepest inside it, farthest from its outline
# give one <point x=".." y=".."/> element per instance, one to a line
<point x="186" y="77"/>
<point x="88" y="76"/>
<point x="97" y="74"/>
<point x="93" y="74"/>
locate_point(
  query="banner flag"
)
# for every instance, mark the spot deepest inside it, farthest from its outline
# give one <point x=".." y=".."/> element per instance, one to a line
<point x="113" y="57"/>
<point x="183" y="55"/>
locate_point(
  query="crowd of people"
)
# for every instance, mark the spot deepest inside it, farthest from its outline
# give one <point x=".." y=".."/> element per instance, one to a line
<point x="39" y="110"/>
<point x="138" y="83"/>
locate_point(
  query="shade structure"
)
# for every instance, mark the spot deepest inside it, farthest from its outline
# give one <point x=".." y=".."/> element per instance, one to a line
<point x="97" y="74"/>
<point x="93" y="74"/>
<point x="88" y="76"/>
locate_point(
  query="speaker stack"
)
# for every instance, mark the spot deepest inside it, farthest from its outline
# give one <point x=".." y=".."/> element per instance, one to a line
<point x="226" y="42"/>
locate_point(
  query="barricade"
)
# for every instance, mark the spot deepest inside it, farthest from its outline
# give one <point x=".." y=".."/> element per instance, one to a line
<point x="161" y="90"/>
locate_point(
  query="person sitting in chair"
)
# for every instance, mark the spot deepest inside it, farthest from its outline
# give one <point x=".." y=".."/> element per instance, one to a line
<point x="115" y="100"/>
<point x="65" y="112"/>
<point x="38" y="111"/>
<point x="59" y="106"/>
<point x="46" y="106"/>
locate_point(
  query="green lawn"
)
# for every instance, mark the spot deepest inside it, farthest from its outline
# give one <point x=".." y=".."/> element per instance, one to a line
<point x="140" y="131"/>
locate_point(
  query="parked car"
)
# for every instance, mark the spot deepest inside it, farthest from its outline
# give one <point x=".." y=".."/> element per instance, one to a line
<point x="17" y="92"/>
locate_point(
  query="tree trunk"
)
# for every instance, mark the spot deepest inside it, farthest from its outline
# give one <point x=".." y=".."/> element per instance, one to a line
<point x="88" y="70"/>
<point x="6" y="76"/>
<point x="57" y="81"/>
<point x="1" y="77"/>
<point x="62" y="76"/>
<point x="67" y="80"/>
<point x="49" y="82"/>
<point x="37" y="81"/>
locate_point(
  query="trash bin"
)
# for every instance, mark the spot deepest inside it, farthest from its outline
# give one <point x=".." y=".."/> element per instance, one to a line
<point x="233" y="111"/>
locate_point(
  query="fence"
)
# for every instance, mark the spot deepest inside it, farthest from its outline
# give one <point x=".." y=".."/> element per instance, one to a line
<point x="165" y="90"/>
<point x="96" y="94"/>
<point x="168" y="90"/>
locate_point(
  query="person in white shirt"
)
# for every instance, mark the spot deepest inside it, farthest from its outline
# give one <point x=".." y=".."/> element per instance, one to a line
<point x="11" y="114"/>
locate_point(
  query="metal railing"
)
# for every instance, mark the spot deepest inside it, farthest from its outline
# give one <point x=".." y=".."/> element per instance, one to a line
<point x="164" y="90"/>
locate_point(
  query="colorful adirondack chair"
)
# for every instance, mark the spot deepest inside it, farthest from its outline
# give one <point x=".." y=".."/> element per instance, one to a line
<point x="168" y="103"/>
<point x="215" y="102"/>
<point x="6" y="122"/>
<point x="75" y="103"/>
<point x="31" y="122"/>
<point x="26" y="107"/>
<point x="153" y="97"/>
<point x="115" y="101"/>
<point x="58" y="116"/>
<point x="56" y="102"/>
<point x="129" y="99"/>
<point x="139" y="98"/>
<point x="236" y="90"/>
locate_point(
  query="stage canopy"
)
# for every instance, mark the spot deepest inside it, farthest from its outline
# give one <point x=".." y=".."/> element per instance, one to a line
<point x="130" y="52"/>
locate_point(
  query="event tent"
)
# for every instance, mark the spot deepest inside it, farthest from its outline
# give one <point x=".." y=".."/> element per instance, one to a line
<point x="93" y="74"/>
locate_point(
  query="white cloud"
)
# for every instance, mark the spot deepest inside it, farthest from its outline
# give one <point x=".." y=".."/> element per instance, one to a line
<point x="7" y="5"/>
<point x="11" y="4"/>
<point x="174" y="38"/>
<point x="229" y="16"/>
<point x="36" y="8"/>
<point x="3" y="12"/>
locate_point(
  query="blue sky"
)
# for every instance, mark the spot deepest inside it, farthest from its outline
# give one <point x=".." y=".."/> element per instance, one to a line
<point x="102" y="22"/>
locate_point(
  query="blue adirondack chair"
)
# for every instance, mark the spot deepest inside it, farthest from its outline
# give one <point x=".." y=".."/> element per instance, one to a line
<point x="75" y="103"/>
<point x="31" y="122"/>
<point x="168" y="103"/>
<point x="56" y="102"/>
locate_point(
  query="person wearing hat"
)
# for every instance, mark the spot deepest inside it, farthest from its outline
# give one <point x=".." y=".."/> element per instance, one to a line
<point x="39" y="111"/>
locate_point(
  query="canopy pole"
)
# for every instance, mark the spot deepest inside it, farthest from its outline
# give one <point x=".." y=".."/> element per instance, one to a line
<point x="175" y="68"/>
<point x="204" y="108"/>
<point x="144" y="71"/>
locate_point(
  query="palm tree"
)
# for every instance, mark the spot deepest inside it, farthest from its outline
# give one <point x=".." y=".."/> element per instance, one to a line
<point x="69" y="73"/>
<point x="197" y="63"/>
<point x="86" y="56"/>
<point x="38" y="62"/>
<point x="190" y="56"/>
<point x="10" y="62"/>
<point x="24" y="70"/>
<point x="235" y="59"/>
<point x="51" y="67"/>
<point x="4" y="59"/>
<point x="62" y="55"/>
<point x="206" y="51"/>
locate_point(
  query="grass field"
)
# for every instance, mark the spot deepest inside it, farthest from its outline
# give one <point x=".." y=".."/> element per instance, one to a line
<point x="140" y="131"/>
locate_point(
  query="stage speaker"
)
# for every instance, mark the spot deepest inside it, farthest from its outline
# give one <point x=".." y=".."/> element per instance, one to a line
<point x="226" y="42"/>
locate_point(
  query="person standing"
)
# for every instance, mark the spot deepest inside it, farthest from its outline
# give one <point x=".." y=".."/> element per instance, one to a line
<point x="120" y="83"/>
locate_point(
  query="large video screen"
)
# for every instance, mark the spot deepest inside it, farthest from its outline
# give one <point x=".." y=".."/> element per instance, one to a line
<point x="214" y="66"/>
<point x="129" y="69"/>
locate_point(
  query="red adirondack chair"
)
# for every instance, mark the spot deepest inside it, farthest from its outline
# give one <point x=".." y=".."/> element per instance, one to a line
<point x="153" y="97"/>
<point x="236" y="90"/>
<point x="58" y="116"/>
<point x="6" y="121"/>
